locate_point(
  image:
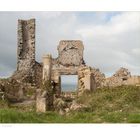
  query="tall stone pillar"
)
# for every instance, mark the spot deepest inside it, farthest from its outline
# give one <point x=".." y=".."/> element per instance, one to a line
<point x="47" y="67"/>
<point x="89" y="81"/>
<point x="26" y="51"/>
<point x="45" y="101"/>
<point x="26" y="45"/>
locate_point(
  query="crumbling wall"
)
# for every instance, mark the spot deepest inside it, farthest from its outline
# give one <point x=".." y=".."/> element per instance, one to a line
<point x="122" y="73"/>
<point x="69" y="60"/>
<point x="26" y="44"/>
<point x="38" y="67"/>
<point x="26" y="52"/>
<point x="28" y="70"/>
<point x="86" y="80"/>
<point x="99" y="77"/>
<point x="133" y="80"/>
<point x="70" y="53"/>
<point x="119" y="78"/>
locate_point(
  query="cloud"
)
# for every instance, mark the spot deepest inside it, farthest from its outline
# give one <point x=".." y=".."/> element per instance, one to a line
<point x="111" y="39"/>
<point x="114" y="43"/>
<point x="136" y="51"/>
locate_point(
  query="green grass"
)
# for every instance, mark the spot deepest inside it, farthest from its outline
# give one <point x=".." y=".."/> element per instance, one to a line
<point x="16" y="116"/>
<point x="116" y="105"/>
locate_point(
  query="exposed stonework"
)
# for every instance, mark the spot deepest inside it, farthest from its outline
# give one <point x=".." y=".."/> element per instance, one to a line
<point x="34" y="75"/>
<point x="122" y="73"/>
<point x="99" y="77"/>
<point x="122" y="77"/>
<point x="70" y="62"/>
<point x="26" y="45"/>
<point x="118" y="78"/>
<point x="17" y="91"/>
<point x="70" y="53"/>
<point x="86" y="80"/>
<point x="47" y="67"/>
<point x="133" y="80"/>
<point x="28" y="70"/>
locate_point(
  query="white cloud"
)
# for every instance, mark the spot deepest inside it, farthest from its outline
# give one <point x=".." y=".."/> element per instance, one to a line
<point x="136" y="51"/>
<point x="109" y="42"/>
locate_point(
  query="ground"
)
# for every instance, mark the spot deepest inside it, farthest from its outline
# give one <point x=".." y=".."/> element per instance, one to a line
<point x="116" y="105"/>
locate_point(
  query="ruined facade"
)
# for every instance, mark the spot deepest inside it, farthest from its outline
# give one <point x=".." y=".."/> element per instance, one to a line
<point x="70" y="61"/>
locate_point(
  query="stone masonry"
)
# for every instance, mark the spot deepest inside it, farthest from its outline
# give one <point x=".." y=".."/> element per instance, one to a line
<point x="26" y="44"/>
<point x="70" y="53"/>
<point x="70" y="61"/>
<point x="122" y="77"/>
<point x="86" y="80"/>
<point x="28" y="70"/>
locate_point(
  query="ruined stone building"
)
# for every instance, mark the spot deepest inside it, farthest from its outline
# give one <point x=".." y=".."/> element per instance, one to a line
<point x="70" y="61"/>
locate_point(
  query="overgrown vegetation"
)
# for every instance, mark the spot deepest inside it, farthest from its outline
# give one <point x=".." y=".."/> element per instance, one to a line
<point x="116" y="105"/>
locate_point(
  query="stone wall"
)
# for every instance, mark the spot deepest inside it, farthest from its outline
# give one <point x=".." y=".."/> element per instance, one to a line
<point x="70" y="61"/>
<point x="86" y="80"/>
<point x="70" y="53"/>
<point x="26" y="44"/>
<point x="26" y="51"/>
<point x="133" y="80"/>
<point x="99" y="77"/>
<point x="28" y="70"/>
<point x="122" y="77"/>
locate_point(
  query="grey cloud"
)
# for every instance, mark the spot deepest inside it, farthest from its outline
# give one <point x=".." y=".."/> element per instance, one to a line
<point x="104" y="49"/>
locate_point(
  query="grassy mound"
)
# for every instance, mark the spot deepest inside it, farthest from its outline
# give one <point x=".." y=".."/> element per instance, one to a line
<point x="120" y="104"/>
<point x="116" y="105"/>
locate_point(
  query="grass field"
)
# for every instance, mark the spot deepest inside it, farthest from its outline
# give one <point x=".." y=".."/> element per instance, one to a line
<point x="116" y="105"/>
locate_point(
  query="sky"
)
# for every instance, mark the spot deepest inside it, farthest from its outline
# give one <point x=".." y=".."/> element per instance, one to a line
<point x="111" y="39"/>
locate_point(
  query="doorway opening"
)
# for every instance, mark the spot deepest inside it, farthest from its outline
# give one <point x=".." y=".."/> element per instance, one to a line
<point x="69" y="83"/>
